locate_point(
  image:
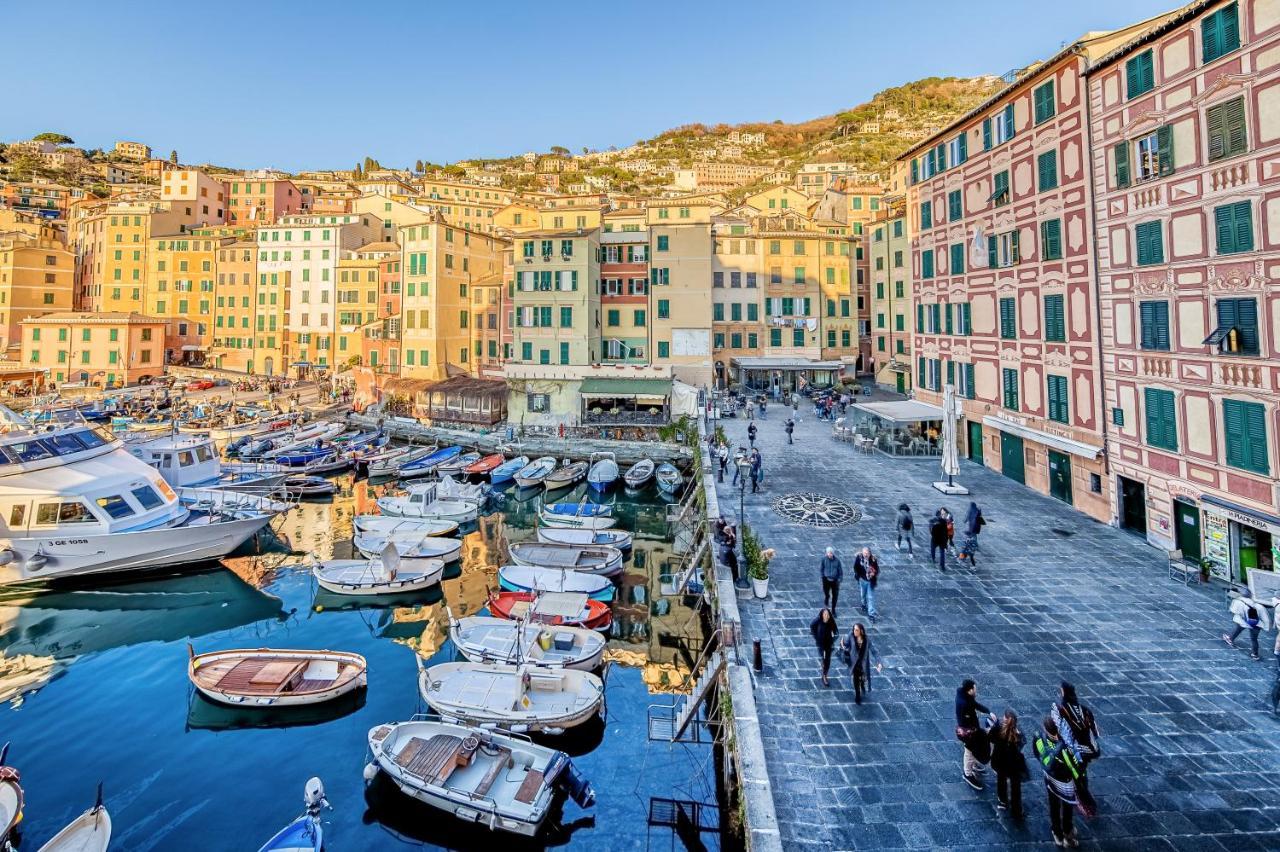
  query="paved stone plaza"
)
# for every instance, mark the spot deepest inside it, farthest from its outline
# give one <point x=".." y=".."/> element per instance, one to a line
<point x="1191" y="751"/>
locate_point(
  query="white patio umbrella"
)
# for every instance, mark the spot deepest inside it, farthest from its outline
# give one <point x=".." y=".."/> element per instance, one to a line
<point x="951" y="412"/>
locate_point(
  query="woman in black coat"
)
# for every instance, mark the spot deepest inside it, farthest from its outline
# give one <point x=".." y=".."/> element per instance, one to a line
<point x="862" y="656"/>
<point x="824" y="632"/>
<point x="1007" y="741"/>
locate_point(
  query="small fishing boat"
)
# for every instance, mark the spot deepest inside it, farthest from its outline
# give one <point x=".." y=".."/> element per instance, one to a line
<point x="306" y="486"/>
<point x="89" y="832"/>
<point x="484" y="464"/>
<point x="268" y="677"/>
<point x="535" y="578"/>
<point x="420" y="505"/>
<point x="620" y="539"/>
<point x="590" y="516"/>
<point x="448" y="488"/>
<point x="410" y="545"/>
<point x="516" y="698"/>
<point x="573" y="609"/>
<point x="383" y="525"/>
<point x="386" y="574"/>
<point x="335" y="462"/>
<point x="639" y="474"/>
<point x="388" y="462"/>
<point x="587" y="558"/>
<point x="10" y="798"/>
<point x="303" y="456"/>
<point x="485" y="639"/>
<point x="669" y="478"/>
<point x="506" y="471"/>
<point x="426" y="465"/>
<point x="480" y="776"/>
<point x="567" y="474"/>
<point x="457" y="464"/>
<point x="304" y="834"/>
<point x="535" y="472"/>
<point x="603" y="471"/>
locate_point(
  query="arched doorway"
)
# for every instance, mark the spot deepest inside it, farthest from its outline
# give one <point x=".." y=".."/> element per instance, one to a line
<point x="269" y="366"/>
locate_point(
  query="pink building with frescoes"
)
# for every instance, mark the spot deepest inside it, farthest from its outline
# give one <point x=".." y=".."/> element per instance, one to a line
<point x="1186" y="135"/>
<point x="1000" y="220"/>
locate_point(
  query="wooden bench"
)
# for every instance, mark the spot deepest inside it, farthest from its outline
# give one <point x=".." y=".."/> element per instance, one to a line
<point x="529" y="789"/>
<point x="500" y="762"/>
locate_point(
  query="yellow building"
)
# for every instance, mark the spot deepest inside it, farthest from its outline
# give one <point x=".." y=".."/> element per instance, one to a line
<point x="36" y="278"/>
<point x="779" y="200"/>
<point x="488" y="322"/>
<point x="236" y="307"/>
<point x="105" y="348"/>
<point x="358" y="292"/>
<point x="889" y="257"/>
<point x="515" y="218"/>
<point x="179" y="288"/>
<point x="440" y="264"/>
<point x="679" y="298"/>
<point x="198" y="196"/>
<point x="111" y="243"/>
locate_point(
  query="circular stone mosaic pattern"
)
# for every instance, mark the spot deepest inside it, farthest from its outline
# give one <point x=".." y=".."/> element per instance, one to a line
<point x="816" y="510"/>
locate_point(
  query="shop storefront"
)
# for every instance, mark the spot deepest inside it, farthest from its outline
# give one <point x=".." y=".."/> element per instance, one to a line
<point x="1236" y="539"/>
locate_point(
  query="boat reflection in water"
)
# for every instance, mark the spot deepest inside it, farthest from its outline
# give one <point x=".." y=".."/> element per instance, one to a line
<point x="203" y="714"/>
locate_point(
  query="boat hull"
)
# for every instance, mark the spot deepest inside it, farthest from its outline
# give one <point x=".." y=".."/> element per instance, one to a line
<point x="578" y="522"/>
<point x="523" y="716"/>
<point x="487" y="639"/>
<point x="317" y="696"/>
<point x="354" y="577"/>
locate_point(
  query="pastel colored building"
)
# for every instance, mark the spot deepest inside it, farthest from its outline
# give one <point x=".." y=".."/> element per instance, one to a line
<point x="737" y="301"/>
<point x="1186" y="140"/>
<point x="197" y="195"/>
<point x="381" y="340"/>
<point x="106" y="348"/>
<point x="36" y="278"/>
<point x="180" y="289"/>
<point x="679" y="270"/>
<point x="236" y="310"/>
<point x="890" y="284"/>
<point x="111" y="241"/>
<point x="555" y="300"/>
<point x="133" y="150"/>
<point x="1003" y="266"/>
<point x="624" y="288"/>
<point x="260" y="201"/>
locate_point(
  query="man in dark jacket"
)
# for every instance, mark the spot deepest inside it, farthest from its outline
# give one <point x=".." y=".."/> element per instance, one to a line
<point x="831" y="570"/>
<point x="751" y="434"/>
<point x="867" y="569"/>
<point x="757" y="470"/>
<point x="977" y="748"/>
<point x="791" y="428"/>
<point x="938" y="540"/>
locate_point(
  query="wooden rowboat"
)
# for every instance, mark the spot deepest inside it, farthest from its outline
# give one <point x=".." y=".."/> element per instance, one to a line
<point x="484" y="464"/>
<point x="387" y="574"/>
<point x="517" y="698"/>
<point x="10" y="798"/>
<point x="485" y="639"/>
<point x="269" y="677"/>
<point x="566" y="474"/>
<point x="589" y="558"/>
<point x="553" y="608"/>
<point x="89" y="832"/>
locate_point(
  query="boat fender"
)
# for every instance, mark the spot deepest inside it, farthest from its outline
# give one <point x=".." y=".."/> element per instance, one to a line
<point x="370" y="771"/>
<point x="7" y="556"/>
<point x="35" y="562"/>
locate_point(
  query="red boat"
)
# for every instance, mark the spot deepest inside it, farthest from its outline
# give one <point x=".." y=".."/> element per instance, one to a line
<point x="555" y="608"/>
<point x="484" y="464"/>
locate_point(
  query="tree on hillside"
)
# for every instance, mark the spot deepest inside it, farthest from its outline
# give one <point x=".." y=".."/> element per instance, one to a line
<point x="417" y="167"/>
<point x="173" y="157"/>
<point x="357" y="173"/>
<point x="559" y="150"/>
<point x="371" y="165"/>
<point x="55" y="138"/>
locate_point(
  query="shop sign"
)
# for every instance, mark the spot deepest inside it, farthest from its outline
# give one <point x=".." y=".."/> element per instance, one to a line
<point x="1217" y="544"/>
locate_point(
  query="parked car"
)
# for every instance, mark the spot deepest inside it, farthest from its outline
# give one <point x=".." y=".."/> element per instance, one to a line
<point x="199" y="385"/>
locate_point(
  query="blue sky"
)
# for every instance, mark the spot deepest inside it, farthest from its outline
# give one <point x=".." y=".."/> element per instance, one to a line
<point x="321" y="84"/>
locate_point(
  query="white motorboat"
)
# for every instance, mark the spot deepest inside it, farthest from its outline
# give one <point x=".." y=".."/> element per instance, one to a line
<point x="310" y="436"/>
<point x="192" y="461"/>
<point x="583" y="516"/>
<point x="423" y="505"/>
<point x="568" y="474"/>
<point x="455" y="465"/>
<point x="518" y="698"/>
<point x="389" y="461"/>
<point x="603" y="471"/>
<point x="219" y="500"/>
<point x="448" y="488"/>
<point x="485" y="639"/>
<point x="383" y="525"/>
<point x="587" y="558"/>
<point x="386" y="574"/>
<point x="269" y="677"/>
<point x="74" y="502"/>
<point x="89" y="832"/>
<point x="535" y="472"/>
<point x="410" y="545"/>
<point x="639" y="474"/>
<point x="620" y="539"/>
<point x="535" y="578"/>
<point x="479" y="776"/>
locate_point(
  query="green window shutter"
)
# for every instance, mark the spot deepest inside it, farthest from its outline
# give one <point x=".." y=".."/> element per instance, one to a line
<point x="808" y="306"/>
<point x="1055" y="325"/>
<point x="717" y="312"/>
<point x="949" y="320"/>
<point x="1147" y="317"/>
<point x="1245" y="425"/>
<point x="926" y="264"/>
<point x="915" y="171"/>
<point x="966" y="321"/>
<point x="1057" y="393"/>
<point x="1164" y="142"/>
<point x="1014" y="246"/>
<point x="920" y="372"/>
<point x="919" y="318"/>
<point x="955" y="205"/>
<point x="986" y="134"/>
<point x="936" y="310"/>
<point x="957" y="259"/>
<point x="1161" y="418"/>
<point x="962" y="148"/>
<point x="926" y="214"/>
<point x="1121" y="153"/>
<point x="1220" y="33"/>
<point x="1008" y="319"/>
<point x="1044" y="101"/>
<point x="1234" y="226"/>
<point x="993" y="256"/>
<point x="1047" y="166"/>
<point x="1227" y="132"/>
<point x="1010" y="382"/>
<point x="1149" y="237"/>
<point x="1008" y="121"/>
<point x="1051" y="239"/>
<point x="1242" y="314"/>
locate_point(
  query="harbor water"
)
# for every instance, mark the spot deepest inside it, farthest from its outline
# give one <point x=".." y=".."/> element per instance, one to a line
<point x="94" y="689"/>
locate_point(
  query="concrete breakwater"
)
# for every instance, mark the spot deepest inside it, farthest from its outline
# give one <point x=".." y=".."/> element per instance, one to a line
<point x="626" y="452"/>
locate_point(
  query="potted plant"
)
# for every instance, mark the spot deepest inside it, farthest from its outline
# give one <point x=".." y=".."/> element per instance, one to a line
<point x="1205" y="565"/>
<point x="758" y="571"/>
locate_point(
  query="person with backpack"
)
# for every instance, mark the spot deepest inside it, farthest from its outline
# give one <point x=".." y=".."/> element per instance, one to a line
<point x="1007" y="741"/>
<point x="824" y="632"/>
<point x="977" y="747"/>
<point x="938" y="540"/>
<point x="973" y="524"/>
<point x="906" y="528"/>
<point x="1059" y="768"/>
<point x="831" y="571"/>
<point x="791" y="428"/>
<point x="1079" y="731"/>
<point x="1249" y="615"/>
<point x="861" y="656"/>
<point x="866" y="568"/>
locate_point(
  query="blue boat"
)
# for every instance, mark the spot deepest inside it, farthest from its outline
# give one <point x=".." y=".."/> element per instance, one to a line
<point x="506" y="471"/>
<point x="305" y="832"/>
<point x="579" y="510"/>
<point x="304" y="455"/>
<point x="426" y="464"/>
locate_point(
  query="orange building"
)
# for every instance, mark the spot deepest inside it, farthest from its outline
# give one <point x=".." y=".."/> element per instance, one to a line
<point x="35" y="279"/>
<point x="104" y="349"/>
<point x="261" y="201"/>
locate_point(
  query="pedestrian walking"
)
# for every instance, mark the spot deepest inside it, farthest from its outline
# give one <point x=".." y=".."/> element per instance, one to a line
<point x="791" y="428"/>
<point x="824" y="632"/>
<point x="866" y="568"/>
<point x="977" y="747"/>
<point x="764" y="403"/>
<point x="1079" y="730"/>
<point x="1059" y="769"/>
<point x="738" y="456"/>
<point x="757" y="471"/>
<point x="1275" y="688"/>
<point x="751" y="433"/>
<point x="722" y="454"/>
<point x="1009" y="764"/>
<point x="906" y="528"/>
<point x="1249" y="615"/>
<point x="861" y="656"/>
<point x="831" y="570"/>
<point x="951" y="529"/>
<point x="795" y="404"/>
<point x="973" y="524"/>
<point x="938" y="540"/>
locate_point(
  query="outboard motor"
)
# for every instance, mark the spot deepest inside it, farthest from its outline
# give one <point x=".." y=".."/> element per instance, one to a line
<point x="313" y="797"/>
<point x="568" y="779"/>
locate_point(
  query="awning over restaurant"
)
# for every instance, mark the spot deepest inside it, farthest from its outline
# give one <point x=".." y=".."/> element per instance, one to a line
<point x="1244" y="515"/>
<point x="901" y="411"/>
<point x="786" y="364"/>
<point x="191" y="347"/>
<point x="614" y="388"/>
<point x="1057" y="442"/>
